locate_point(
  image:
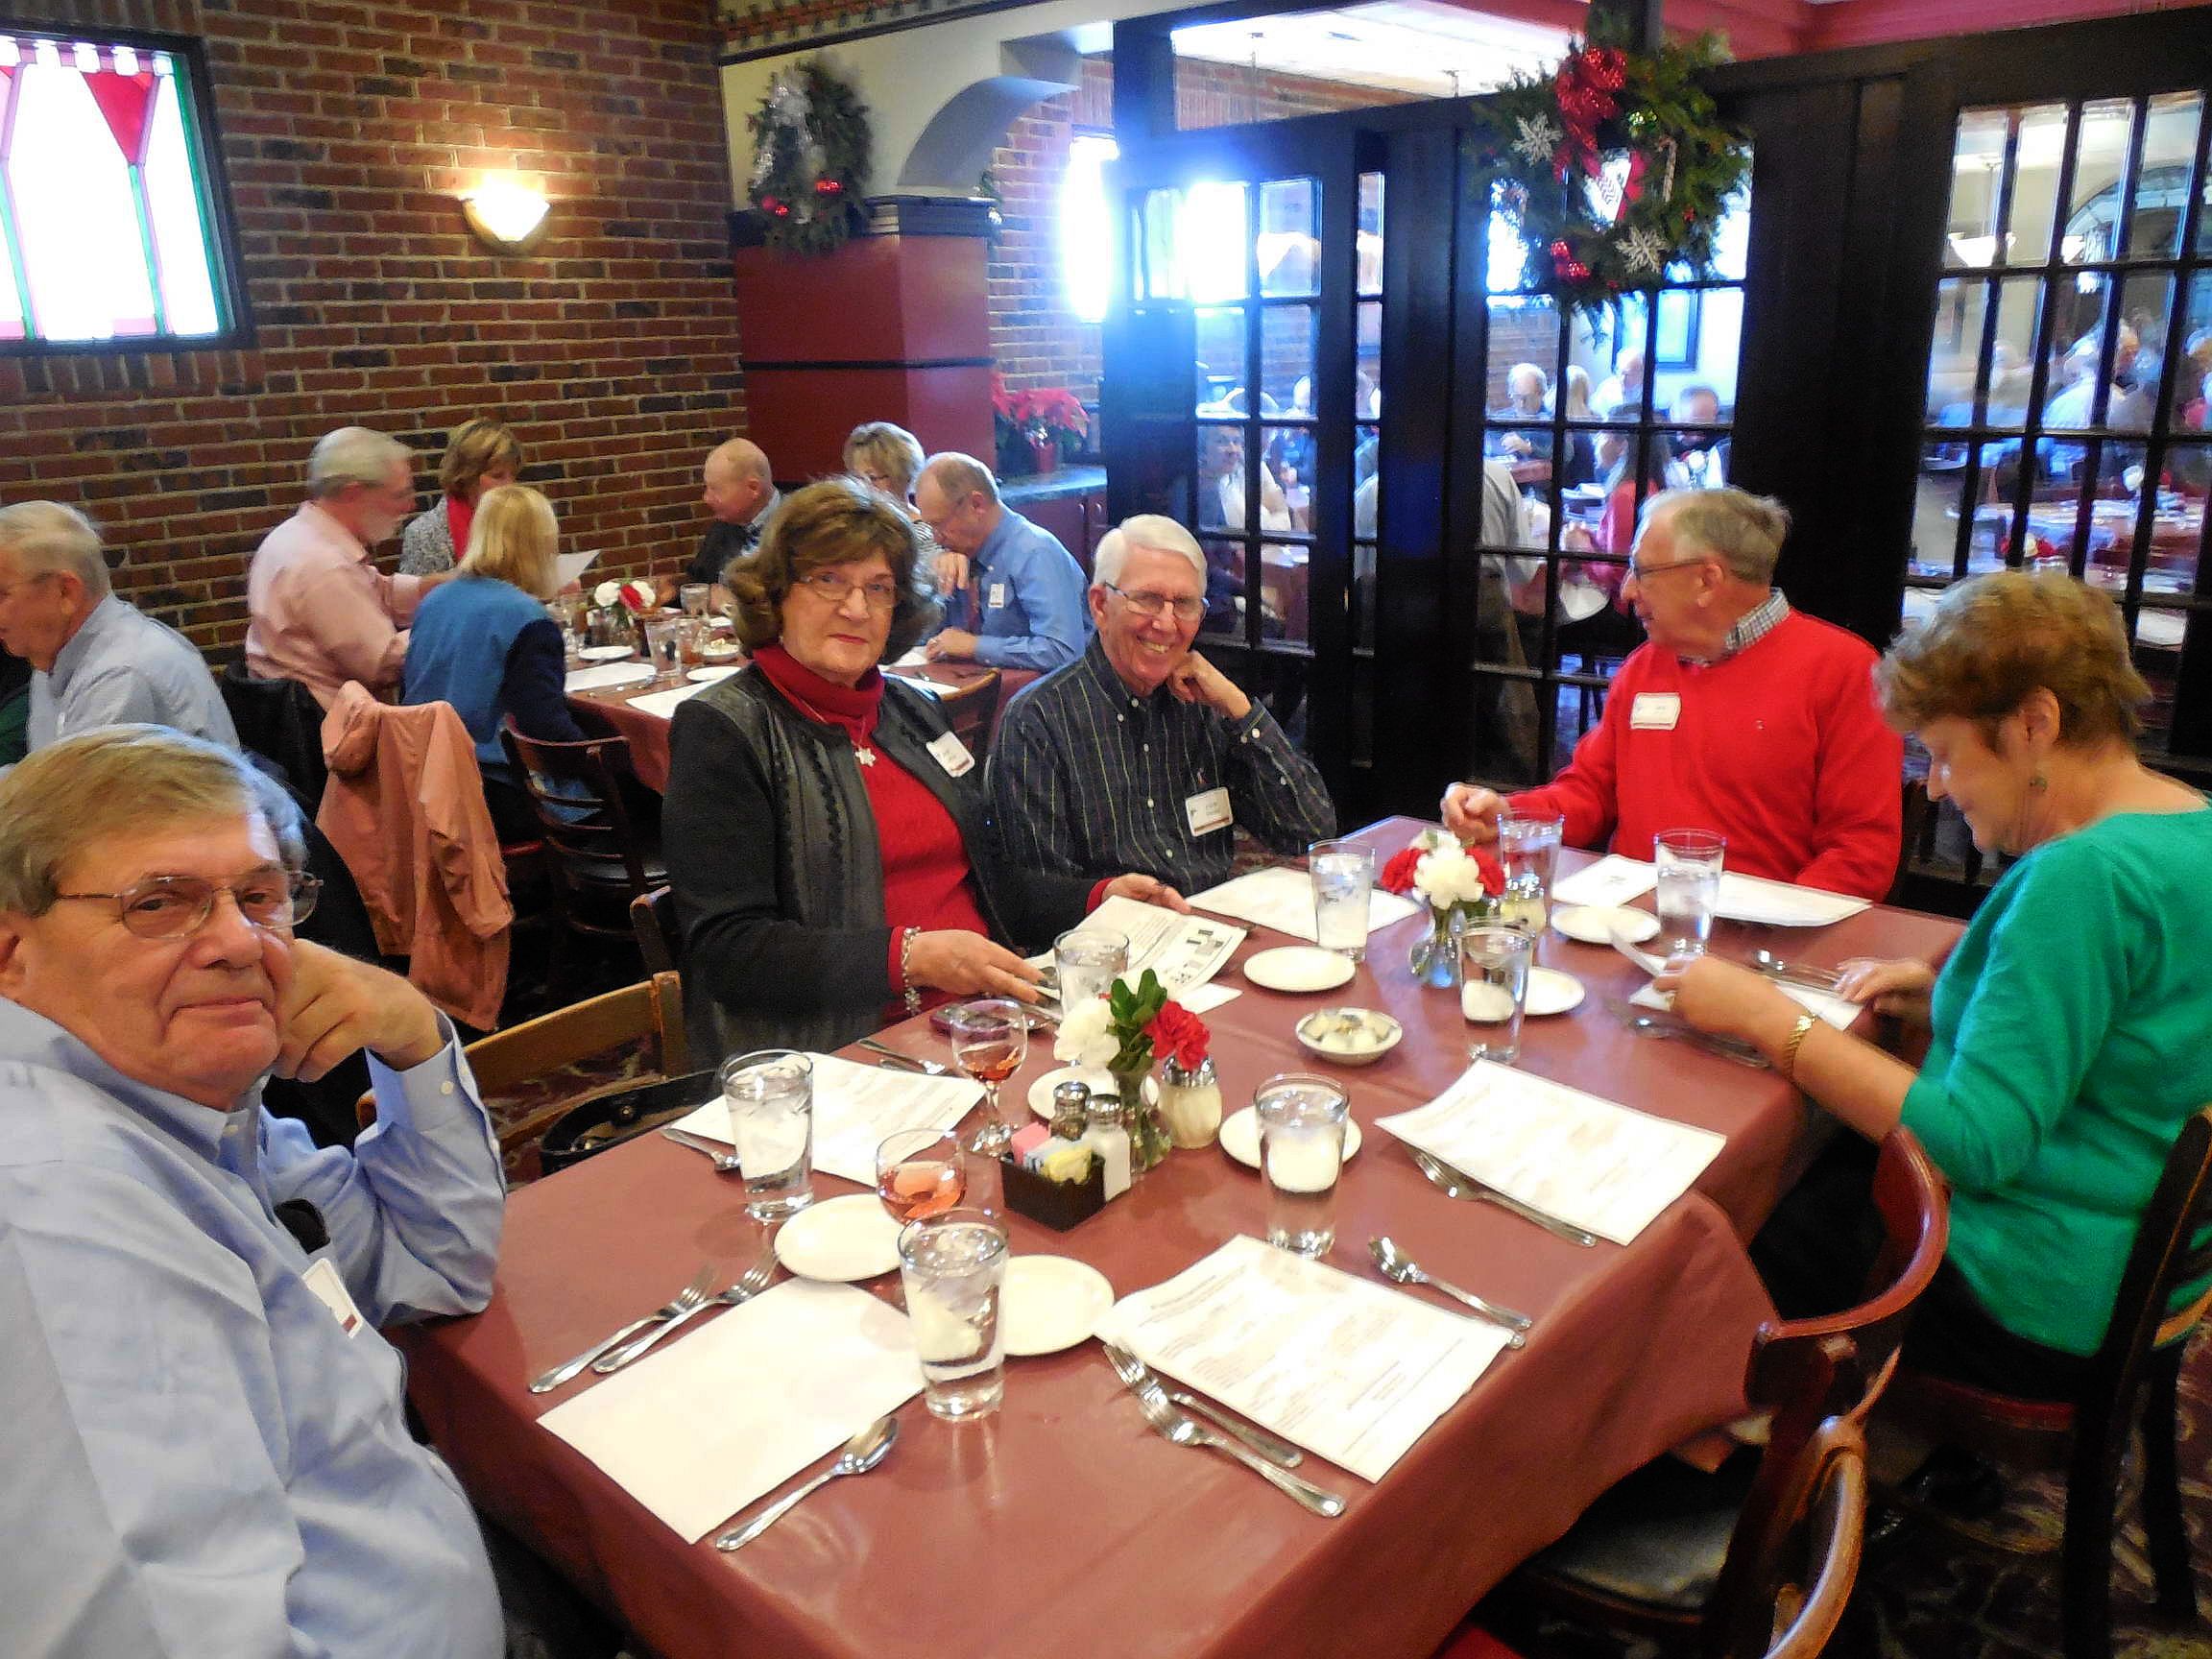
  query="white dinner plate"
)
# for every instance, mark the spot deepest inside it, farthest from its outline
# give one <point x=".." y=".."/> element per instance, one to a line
<point x="707" y="675"/>
<point x="1298" y="968"/>
<point x="1598" y="923"/>
<point x="1240" y="1136"/>
<point x="1097" y="1077"/>
<point x="1050" y="1302"/>
<point x="605" y="653"/>
<point x="1551" y="991"/>
<point x="841" y="1239"/>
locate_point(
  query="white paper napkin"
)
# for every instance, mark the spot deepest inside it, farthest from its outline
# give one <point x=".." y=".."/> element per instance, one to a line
<point x="1834" y="1009"/>
<point x="857" y="1108"/>
<point x="1782" y="903"/>
<point x="727" y="1411"/>
<point x="664" y="703"/>
<point x="1612" y="880"/>
<point x="601" y="675"/>
<point x="1283" y="899"/>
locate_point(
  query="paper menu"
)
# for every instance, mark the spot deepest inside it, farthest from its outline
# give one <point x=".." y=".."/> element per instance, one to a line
<point x="857" y="1108"/>
<point x="664" y="703"/>
<point x="1184" y="951"/>
<point x="570" y="566"/>
<point x="1283" y="899"/>
<point x="1601" y="1165"/>
<point x="1612" y="880"/>
<point x="1352" y="1370"/>
<point x="601" y="675"/>
<point x="699" y="1429"/>
<point x="1781" y="903"/>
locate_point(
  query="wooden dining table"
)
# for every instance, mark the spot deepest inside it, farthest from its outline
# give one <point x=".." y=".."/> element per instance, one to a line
<point x="1062" y="1526"/>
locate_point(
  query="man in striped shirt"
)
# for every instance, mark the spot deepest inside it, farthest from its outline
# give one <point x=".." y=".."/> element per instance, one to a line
<point x="1140" y="755"/>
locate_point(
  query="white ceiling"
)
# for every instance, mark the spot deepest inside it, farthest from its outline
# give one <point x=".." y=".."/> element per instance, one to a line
<point x="1421" y="48"/>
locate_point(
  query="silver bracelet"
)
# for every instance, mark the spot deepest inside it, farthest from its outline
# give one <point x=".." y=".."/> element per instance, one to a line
<point x="906" y="968"/>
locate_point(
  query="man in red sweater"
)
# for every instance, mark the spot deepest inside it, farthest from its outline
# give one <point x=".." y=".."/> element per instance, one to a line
<point x="1738" y="715"/>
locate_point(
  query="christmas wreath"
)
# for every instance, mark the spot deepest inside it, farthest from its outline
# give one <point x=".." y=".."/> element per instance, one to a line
<point x="810" y="160"/>
<point x="1612" y="168"/>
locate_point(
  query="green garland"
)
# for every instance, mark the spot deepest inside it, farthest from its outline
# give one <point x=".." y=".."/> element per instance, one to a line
<point x="1639" y="123"/>
<point x="810" y="144"/>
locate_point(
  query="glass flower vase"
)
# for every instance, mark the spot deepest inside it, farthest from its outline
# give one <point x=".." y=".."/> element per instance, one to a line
<point x="1435" y="953"/>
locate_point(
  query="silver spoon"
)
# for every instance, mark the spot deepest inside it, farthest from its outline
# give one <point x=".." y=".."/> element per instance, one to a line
<point x="861" y="1454"/>
<point x="1812" y="978"/>
<point x="725" y="1161"/>
<point x="1403" y="1269"/>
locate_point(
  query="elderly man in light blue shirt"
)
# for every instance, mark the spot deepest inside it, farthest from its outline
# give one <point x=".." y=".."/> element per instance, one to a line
<point x="1012" y="595"/>
<point x="97" y="662"/>
<point x="200" y="1423"/>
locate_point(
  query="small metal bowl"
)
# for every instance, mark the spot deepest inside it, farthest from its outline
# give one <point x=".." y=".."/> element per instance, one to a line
<point x="1387" y="1033"/>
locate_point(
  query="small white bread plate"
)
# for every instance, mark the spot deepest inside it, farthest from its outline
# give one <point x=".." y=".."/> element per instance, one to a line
<point x="605" y="653"/>
<point x="1240" y="1136"/>
<point x="1051" y="1303"/>
<point x="1551" y="991"/>
<point x="1100" y="1080"/>
<point x="1298" y="968"/>
<point x="707" y="675"/>
<point x="1598" y="923"/>
<point x="840" y="1239"/>
<point x="1348" y="1036"/>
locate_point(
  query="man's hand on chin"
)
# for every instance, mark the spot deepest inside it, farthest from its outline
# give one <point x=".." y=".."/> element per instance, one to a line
<point x="336" y="1005"/>
<point x="1195" y="680"/>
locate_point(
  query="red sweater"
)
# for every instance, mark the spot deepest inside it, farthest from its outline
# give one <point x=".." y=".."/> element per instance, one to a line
<point x="926" y="871"/>
<point x="1780" y="748"/>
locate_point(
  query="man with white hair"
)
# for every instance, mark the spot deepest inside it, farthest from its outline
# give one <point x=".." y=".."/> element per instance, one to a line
<point x="1012" y="595"/>
<point x="1738" y="714"/>
<point x="319" y="611"/>
<point x="96" y="661"/>
<point x="1140" y="755"/>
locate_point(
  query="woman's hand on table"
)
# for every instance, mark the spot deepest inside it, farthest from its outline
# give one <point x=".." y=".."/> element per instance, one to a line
<point x="1895" y="987"/>
<point x="1727" y="999"/>
<point x="968" y="965"/>
<point x="1145" y="890"/>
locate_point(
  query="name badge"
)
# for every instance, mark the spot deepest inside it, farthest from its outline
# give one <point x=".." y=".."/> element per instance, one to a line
<point x="330" y="1290"/>
<point x="1654" y="712"/>
<point x="998" y="599"/>
<point x="952" y="755"/>
<point x="1209" y="811"/>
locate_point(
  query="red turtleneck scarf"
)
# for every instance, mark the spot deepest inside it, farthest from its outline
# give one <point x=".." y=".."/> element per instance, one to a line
<point x="927" y="882"/>
<point x="459" y="515"/>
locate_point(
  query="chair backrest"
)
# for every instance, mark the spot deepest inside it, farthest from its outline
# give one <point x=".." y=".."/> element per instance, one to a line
<point x="574" y="790"/>
<point x="1811" y="1551"/>
<point x="2173" y="1250"/>
<point x="280" y="720"/>
<point x="971" y="708"/>
<point x="660" y="937"/>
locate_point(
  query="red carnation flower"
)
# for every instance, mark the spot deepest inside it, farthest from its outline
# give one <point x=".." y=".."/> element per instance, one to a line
<point x="1397" y="874"/>
<point x="1180" y="1035"/>
<point x="1493" y="871"/>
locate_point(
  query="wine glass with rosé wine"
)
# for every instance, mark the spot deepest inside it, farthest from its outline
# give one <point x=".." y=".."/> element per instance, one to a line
<point x="989" y="1040"/>
<point x="918" y="1174"/>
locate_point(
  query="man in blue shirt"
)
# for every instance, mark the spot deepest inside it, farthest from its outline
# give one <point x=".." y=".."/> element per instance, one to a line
<point x="1013" y="596"/>
<point x="200" y="1423"/>
<point x="97" y="662"/>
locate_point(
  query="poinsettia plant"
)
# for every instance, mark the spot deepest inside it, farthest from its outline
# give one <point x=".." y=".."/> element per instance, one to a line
<point x="1038" y="414"/>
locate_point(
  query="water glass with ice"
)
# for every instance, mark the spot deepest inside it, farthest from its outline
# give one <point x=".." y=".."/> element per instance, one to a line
<point x="1529" y="850"/>
<point x="771" y="1096"/>
<point x="1088" y="961"/>
<point x="1494" y="989"/>
<point x="953" y="1268"/>
<point x="693" y="596"/>
<point x="1343" y="878"/>
<point x="664" y="646"/>
<point x="1302" y="1120"/>
<point x="1689" y="863"/>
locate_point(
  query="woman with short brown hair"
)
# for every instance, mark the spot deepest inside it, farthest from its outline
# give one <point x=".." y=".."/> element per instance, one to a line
<point x="480" y="454"/>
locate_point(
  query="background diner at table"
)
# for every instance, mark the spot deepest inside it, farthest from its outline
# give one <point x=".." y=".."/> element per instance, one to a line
<point x="481" y="454"/>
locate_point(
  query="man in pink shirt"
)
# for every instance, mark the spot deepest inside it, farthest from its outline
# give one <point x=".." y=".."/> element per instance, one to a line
<point x="320" y="612"/>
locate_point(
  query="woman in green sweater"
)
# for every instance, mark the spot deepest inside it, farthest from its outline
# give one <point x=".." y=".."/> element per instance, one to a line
<point x="2067" y="1030"/>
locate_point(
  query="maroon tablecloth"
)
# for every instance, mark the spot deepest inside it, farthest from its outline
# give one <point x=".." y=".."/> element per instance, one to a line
<point x="1062" y="1526"/>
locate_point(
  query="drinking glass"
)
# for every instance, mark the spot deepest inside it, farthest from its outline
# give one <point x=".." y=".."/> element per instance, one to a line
<point x="1088" y="961"/>
<point x="918" y="1174"/>
<point x="1494" y="989"/>
<point x="1689" y="863"/>
<point x="771" y="1097"/>
<point x="692" y="596"/>
<point x="952" y="1268"/>
<point x="562" y="608"/>
<point x="1528" y="849"/>
<point x="1301" y="1149"/>
<point x="690" y="639"/>
<point x="1343" y="878"/>
<point x="989" y="1040"/>
<point x="663" y="647"/>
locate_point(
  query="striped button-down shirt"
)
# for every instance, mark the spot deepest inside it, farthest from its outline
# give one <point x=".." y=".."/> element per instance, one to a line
<point x="1753" y="626"/>
<point x="1092" y="779"/>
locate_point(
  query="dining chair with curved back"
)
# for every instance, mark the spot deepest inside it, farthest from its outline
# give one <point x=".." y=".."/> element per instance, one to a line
<point x="660" y="937"/>
<point x="600" y="858"/>
<point x="2088" y="1437"/>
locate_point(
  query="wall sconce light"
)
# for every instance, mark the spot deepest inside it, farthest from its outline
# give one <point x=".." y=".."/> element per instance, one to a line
<point x="507" y="217"/>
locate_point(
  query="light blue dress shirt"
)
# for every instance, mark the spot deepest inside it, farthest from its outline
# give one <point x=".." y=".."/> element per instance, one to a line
<point x="122" y="667"/>
<point x="199" y="1459"/>
<point x="1026" y="600"/>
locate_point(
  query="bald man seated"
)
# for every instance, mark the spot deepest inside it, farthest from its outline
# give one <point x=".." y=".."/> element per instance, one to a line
<point x="740" y="491"/>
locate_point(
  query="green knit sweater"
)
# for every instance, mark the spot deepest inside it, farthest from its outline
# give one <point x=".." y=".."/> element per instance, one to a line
<point x="2073" y="1036"/>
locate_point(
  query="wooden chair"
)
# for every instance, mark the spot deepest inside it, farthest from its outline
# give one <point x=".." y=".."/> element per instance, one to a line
<point x="659" y="940"/>
<point x="1709" y="1561"/>
<point x="2140" y="1360"/>
<point x="506" y="1062"/>
<point x="971" y="708"/>
<point x="600" y="861"/>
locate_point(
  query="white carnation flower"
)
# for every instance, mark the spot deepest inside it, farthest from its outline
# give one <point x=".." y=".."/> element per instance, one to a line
<point x="1086" y="1035"/>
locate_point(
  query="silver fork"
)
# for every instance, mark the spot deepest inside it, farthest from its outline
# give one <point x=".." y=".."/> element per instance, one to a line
<point x="1172" y="1424"/>
<point x="1142" y="1383"/>
<point x="935" y="1067"/>
<point x="1460" y="1184"/>
<point x="748" y="1285"/>
<point x="685" y="1299"/>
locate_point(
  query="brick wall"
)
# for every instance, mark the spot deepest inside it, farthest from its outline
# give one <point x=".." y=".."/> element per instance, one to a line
<point x="1035" y="337"/>
<point x="346" y="131"/>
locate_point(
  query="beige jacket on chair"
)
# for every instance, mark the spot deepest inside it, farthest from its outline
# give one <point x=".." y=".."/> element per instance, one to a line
<point x="405" y="809"/>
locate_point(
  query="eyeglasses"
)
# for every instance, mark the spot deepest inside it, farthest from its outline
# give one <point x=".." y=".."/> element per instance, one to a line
<point x="1185" y="608"/>
<point x="178" y="906"/>
<point x="831" y="586"/>
<point x="1645" y="572"/>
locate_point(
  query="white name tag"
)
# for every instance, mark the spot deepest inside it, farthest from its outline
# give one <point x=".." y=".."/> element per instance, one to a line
<point x="1654" y="712"/>
<point x="998" y="599"/>
<point x="330" y="1290"/>
<point x="952" y="755"/>
<point x="1209" y="811"/>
